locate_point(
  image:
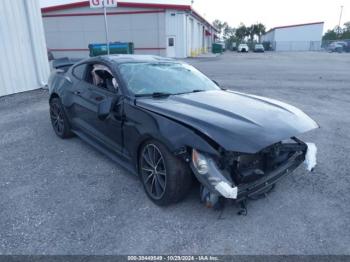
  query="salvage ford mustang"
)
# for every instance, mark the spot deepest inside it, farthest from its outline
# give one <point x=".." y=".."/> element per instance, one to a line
<point x="166" y="122"/>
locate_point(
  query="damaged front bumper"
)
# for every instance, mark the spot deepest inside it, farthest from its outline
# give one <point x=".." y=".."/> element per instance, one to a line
<point x="257" y="187"/>
<point x="215" y="181"/>
<point x="219" y="181"/>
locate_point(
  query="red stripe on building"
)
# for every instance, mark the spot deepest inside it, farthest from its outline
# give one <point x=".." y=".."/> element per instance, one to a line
<point x="109" y="13"/>
<point x="126" y="4"/>
<point x="149" y="5"/>
<point x="65" y="6"/>
<point x="86" y="49"/>
<point x="296" y="25"/>
<point x="149" y="48"/>
<point x="120" y="4"/>
<point x="67" y="49"/>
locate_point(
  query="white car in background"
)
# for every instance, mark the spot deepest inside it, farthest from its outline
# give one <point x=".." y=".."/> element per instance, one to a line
<point x="243" y="48"/>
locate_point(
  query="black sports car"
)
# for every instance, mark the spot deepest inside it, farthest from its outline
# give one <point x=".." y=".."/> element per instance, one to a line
<point x="167" y="122"/>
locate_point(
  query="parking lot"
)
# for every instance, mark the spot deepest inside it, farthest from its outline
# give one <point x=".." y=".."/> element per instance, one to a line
<point x="64" y="197"/>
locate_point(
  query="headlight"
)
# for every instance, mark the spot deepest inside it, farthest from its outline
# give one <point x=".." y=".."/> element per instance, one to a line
<point x="199" y="162"/>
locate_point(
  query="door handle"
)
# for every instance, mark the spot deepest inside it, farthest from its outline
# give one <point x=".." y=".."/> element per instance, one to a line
<point x="76" y="93"/>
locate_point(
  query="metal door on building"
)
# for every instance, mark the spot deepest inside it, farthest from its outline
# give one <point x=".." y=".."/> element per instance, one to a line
<point x="170" y="50"/>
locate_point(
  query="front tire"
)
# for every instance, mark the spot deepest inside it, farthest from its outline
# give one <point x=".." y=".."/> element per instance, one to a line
<point x="166" y="178"/>
<point x="59" y="119"/>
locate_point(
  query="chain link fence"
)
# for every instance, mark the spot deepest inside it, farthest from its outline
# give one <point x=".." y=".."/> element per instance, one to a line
<point x="330" y="46"/>
<point x="293" y="45"/>
<point x="339" y="46"/>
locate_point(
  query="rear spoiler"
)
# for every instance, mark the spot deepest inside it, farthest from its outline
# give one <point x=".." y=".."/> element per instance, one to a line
<point x="64" y="63"/>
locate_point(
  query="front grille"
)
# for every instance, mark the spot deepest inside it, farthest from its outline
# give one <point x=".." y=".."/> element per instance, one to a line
<point x="247" y="168"/>
<point x="250" y="168"/>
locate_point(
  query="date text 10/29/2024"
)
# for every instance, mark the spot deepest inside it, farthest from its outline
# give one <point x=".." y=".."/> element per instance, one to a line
<point x="173" y="258"/>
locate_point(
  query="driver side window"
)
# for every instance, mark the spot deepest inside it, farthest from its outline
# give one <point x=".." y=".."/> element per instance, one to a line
<point x="102" y="77"/>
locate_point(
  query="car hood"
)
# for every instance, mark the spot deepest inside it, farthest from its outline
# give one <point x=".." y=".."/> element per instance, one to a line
<point x="236" y="121"/>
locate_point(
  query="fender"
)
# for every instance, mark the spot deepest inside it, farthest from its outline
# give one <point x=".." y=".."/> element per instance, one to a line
<point x="145" y="124"/>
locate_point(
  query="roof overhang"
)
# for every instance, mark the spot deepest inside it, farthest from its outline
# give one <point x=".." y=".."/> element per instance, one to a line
<point x="120" y="4"/>
<point x="132" y="5"/>
<point x="296" y="25"/>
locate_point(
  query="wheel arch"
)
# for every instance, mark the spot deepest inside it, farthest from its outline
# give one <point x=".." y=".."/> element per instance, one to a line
<point x="53" y="95"/>
<point x="178" y="137"/>
<point x="143" y="140"/>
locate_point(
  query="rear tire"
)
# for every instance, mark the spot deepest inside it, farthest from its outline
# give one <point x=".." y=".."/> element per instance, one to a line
<point x="59" y="119"/>
<point x="166" y="178"/>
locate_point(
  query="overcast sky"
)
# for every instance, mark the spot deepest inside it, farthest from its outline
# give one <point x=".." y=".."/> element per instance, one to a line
<point x="270" y="12"/>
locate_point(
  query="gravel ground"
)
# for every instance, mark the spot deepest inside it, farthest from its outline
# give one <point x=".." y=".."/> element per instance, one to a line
<point x="63" y="197"/>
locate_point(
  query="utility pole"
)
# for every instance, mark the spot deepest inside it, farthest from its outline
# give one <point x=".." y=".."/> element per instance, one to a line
<point x="341" y="13"/>
<point x="104" y="4"/>
<point x="106" y="25"/>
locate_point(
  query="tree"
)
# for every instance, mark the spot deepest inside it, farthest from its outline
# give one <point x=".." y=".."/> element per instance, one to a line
<point x="229" y="36"/>
<point x="260" y="30"/>
<point x="338" y="30"/>
<point x="346" y="31"/>
<point x="338" y="33"/>
<point x="330" y="35"/>
<point x="220" y="26"/>
<point x="257" y="29"/>
<point x="228" y="32"/>
<point x="241" y="32"/>
<point x="251" y="32"/>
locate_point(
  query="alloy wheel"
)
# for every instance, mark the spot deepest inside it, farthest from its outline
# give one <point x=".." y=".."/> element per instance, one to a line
<point x="153" y="171"/>
<point x="57" y="118"/>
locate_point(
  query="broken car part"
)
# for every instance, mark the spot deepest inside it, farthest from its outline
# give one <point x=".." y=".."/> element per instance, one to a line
<point x="165" y="121"/>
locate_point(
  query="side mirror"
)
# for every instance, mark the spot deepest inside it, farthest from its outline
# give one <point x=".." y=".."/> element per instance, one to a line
<point x="104" y="108"/>
<point x="216" y="83"/>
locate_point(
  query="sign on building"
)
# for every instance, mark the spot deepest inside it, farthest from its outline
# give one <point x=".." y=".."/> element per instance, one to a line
<point x="100" y="4"/>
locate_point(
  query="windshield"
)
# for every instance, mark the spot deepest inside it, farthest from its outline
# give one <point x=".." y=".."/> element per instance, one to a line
<point x="170" y="78"/>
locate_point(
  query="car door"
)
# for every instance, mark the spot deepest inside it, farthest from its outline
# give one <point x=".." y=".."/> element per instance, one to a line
<point x="108" y="131"/>
<point x="73" y="97"/>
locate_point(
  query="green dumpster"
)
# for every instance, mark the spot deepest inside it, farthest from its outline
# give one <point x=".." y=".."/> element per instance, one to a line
<point x="216" y="48"/>
<point x="114" y="48"/>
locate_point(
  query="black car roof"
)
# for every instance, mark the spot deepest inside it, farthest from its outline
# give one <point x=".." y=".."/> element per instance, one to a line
<point x="134" y="58"/>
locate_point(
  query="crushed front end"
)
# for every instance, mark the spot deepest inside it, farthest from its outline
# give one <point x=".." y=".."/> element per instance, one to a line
<point x="241" y="176"/>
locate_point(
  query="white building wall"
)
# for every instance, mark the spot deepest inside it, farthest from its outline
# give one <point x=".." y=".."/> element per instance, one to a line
<point x="296" y="38"/>
<point x="198" y="42"/>
<point x="300" y="33"/>
<point x="175" y="23"/>
<point x="68" y="33"/>
<point x="189" y="33"/>
<point x="23" y="64"/>
<point x="197" y="39"/>
<point x="268" y="37"/>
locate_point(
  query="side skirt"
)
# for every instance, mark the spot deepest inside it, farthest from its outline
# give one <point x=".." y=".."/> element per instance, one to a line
<point x="119" y="159"/>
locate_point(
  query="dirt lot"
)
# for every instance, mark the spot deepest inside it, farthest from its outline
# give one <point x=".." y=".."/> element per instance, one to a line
<point x="63" y="197"/>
